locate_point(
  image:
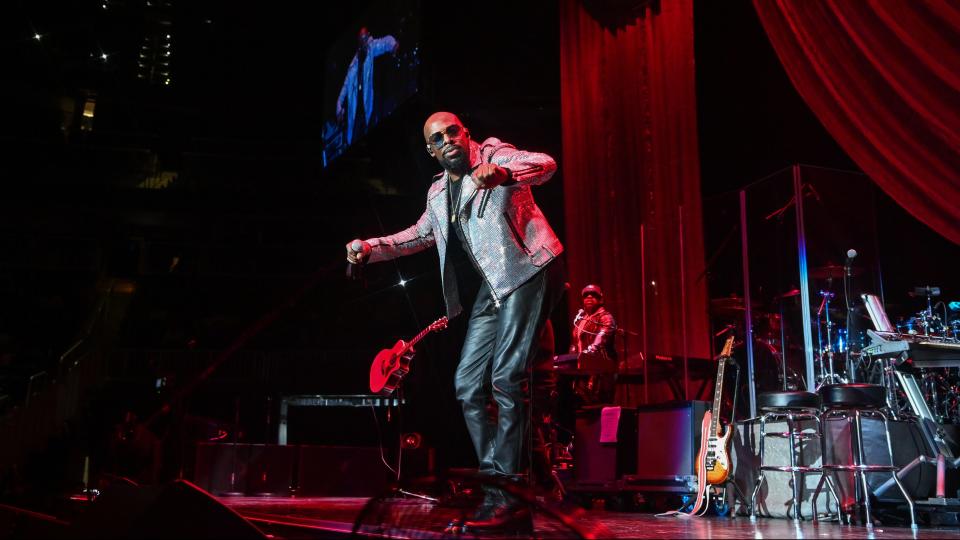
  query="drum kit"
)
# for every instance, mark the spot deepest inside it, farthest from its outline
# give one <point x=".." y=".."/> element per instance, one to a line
<point x="838" y="334"/>
<point x="771" y="339"/>
<point x="928" y="322"/>
<point x="940" y="385"/>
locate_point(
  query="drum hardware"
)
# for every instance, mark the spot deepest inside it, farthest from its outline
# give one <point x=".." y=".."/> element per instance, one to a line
<point x="792" y="293"/>
<point x="825" y="348"/>
<point x="926" y="322"/>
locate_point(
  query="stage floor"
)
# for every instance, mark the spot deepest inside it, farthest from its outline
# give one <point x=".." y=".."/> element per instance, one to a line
<point x="329" y="517"/>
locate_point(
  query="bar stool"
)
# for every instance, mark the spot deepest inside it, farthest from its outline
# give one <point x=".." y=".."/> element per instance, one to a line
<point x="854" y="401"/>
<point x="794" y="408"/>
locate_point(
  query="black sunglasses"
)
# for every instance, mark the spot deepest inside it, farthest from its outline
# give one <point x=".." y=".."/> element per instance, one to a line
<point x="437" y="140"/>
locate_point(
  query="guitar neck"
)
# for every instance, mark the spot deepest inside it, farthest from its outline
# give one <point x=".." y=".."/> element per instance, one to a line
<point x="418" y="337"/>
<point x="718" y="387"/>
<point x="717" y="393"/>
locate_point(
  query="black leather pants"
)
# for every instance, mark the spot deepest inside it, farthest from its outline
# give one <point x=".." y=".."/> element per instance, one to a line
<point x="495" y="363"/>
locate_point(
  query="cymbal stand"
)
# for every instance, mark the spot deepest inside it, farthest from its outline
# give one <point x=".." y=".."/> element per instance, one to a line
<point x="783" y="345"/>
<point x="827" y="374"/>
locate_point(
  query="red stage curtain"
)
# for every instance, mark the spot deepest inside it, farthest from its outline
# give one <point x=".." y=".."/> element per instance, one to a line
<point x="630" y="162"/>
<point x="883" y="76"/>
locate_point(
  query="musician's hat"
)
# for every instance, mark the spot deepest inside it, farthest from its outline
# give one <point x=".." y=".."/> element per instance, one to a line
<point x="592" y="289"/>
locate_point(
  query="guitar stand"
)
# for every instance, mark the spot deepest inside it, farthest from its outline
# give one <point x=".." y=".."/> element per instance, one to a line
<point x="738" y="496"/>
<point x="399" y="470"/>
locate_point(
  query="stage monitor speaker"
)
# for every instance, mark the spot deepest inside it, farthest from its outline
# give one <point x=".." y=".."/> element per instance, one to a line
<point x="251" y="469"/>
<point x="17" y="523"/>
<point x="668" y="439"/>
<point x="345" y="471"/>
<point x="601" y="465"/>
<point x="176" y="510"/>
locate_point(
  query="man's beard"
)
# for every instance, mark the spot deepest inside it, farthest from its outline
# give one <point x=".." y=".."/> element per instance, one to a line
<point x="457" y="165"/>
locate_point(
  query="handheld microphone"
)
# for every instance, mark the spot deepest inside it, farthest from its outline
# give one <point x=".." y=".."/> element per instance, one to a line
<point x="355" y="270"/>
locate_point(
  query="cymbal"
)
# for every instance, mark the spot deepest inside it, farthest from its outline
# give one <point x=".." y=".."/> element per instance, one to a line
<point x="789" y="294"/>
<point x="833" y="271"/>
<point x="730" y="305"/>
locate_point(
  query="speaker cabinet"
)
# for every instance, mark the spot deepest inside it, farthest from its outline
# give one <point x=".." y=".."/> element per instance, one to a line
<point x="668" y="438"/>
<point x="176" y="510"/>
<point x="601" y="465"/>
<point x="251" y="469"/>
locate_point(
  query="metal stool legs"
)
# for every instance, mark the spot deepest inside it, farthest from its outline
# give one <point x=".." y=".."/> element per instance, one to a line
<point x="860" y="468"/>
<point x="794" y="436"/>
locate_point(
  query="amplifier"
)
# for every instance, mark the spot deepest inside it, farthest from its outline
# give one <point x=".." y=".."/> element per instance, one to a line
<point x="668" y="439"/>
<point x="602" y="465"/>
<point x="251" y="469"/>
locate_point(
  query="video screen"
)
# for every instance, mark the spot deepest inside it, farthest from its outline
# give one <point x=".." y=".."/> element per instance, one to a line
<point x="370" y="70"/>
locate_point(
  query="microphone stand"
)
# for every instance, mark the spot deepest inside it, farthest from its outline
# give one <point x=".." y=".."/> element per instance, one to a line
<point x="847" y="279"/>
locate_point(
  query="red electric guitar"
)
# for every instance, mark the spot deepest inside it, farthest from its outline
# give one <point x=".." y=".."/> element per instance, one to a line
<point x="390" y="365"/>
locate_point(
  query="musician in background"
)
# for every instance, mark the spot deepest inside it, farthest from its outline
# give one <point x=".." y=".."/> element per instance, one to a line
<point x="592" y="348"/>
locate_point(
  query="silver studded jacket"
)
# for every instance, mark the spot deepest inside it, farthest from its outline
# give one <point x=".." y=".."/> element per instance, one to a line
<point x="510" y="240"/>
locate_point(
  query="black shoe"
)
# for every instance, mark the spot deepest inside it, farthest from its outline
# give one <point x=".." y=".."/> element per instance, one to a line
<point x="482" y="512"/>
<point x="506" y="519"/>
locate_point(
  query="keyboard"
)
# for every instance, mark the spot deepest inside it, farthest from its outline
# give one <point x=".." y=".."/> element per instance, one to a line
<point x="924" y="351"/>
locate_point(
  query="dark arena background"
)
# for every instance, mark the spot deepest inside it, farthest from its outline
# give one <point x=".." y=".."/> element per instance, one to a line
<point x="766" y="193"/>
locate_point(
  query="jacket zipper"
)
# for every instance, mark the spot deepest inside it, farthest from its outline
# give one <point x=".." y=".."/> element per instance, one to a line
<point x="516" y="233"/>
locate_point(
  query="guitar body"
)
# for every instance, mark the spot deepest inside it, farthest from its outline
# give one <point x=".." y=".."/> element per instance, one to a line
<point x="389" y="367"/>
<point x="716" y="452"/>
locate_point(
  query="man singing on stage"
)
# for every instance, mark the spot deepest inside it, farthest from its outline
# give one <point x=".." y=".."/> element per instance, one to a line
<point x="493" y="239"/>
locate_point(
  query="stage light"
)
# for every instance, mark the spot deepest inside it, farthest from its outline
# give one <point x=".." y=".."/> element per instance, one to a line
<point x="403" y="282"/>
<point x="37" y="37"/>
<point x="103" y="56"/>
<point x="411" y="440"/>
